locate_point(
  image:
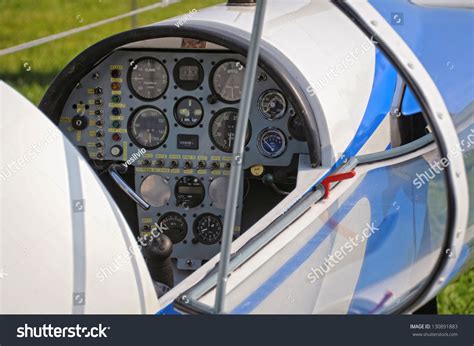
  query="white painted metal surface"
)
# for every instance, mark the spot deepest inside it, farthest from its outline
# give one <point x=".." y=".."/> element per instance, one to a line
<point x="64" y="245"/>
<point x="322" y="44"/>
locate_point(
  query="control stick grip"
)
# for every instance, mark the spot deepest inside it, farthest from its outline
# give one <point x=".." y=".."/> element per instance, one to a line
<point x="157" y="254"/>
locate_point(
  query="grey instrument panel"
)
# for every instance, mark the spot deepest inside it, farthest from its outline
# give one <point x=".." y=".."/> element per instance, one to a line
<point x="179" y="169"/>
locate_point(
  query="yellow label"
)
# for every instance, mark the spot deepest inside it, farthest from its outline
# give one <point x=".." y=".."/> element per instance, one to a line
<point x="117" y="130"/>
<point x="257" y="170"/>
<point x="116" y="67"/>
<point x="116" y="117"/>
<point x="125" y="147"/>
<point x="215" y="158"/>
<point x="216" y="172"/>
<point x="200" y="157"/>
<point x="174" y="156"/>
<point x="201" y="171"/>
<point x="90" y="90"/>
<point x="92" y="133"/>
<point x="148" y="156"/>
<point x="226" y="172"/>
<point x="117" y="105"/>
<point x="116" y="92"/>
<point x="65" y="120"/>
<point x="187" y="171"/>
<point x="189" y="157"/>
<point x="118" y="80"/>
<point x="91" y="144"/>
<point x="175" y="170"/>
<point x="161" y="156"/>
<point x="226" y="158"/>
<point x="144" y="169"/>
<point x="147" y="220"/>
<point x="153" y="170"/>
<point x="78" y="135"/>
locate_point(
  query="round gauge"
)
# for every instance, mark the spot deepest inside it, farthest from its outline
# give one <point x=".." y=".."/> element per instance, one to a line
<point x="189" y="192"/>
<point x="188" y="74"/>
<point x="296" y="128"/>
<point x="148" y="127"/>
<point x="271" y="142"/>
<point x="155" y="190"/>
<point x="218" y="191"/>
<point x="222" y="129"/>
<point x="174" y="226"/>
<point x="188" y="112"/>
<point x="147" y="78"/>
<point x="207" y="229"/>
<point x="227" y="80"/>
<point x="272" y="104"/>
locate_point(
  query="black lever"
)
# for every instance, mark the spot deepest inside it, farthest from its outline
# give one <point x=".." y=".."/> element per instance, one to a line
<point x="157" y="255"/>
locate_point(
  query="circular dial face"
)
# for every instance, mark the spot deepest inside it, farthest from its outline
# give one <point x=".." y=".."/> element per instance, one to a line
<point x="188" y="74"/>
<point x="227" y="80"/>
<point x="155" y="190"/>
<point x="188" y="112"/>
<point x="272" y="104"/>
<point x="271" y="142"/>
<point x="147" y="78"/>
<point x="174" y="226"/>
<point x="148" y="127"/>
<point x="189" y="192"/>
<point x="222" y="129"/>
<point x="208" y="229"/>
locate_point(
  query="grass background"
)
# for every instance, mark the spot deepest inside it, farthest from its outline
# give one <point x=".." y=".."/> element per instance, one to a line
<point x="32" y="70"/>
<point x="25" y="20"/>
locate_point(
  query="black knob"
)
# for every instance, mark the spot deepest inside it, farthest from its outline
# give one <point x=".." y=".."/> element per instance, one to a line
<point x="79" y="122"/>
<point x="159" y="248"/>
<point x="157" y="254"/>
<point x="212" y="99"/>
<point x="173" y="164"/>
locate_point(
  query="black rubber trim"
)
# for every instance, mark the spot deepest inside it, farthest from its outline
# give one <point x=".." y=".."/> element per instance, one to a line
<point x="234" y="39"/>
<point x="421" y="292"/>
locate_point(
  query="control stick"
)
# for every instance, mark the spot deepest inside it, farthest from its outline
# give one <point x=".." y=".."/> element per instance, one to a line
<point x="157" y="255"/>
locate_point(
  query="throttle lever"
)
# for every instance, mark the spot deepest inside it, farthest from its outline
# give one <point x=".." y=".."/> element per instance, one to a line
<point x="114" y="170"/>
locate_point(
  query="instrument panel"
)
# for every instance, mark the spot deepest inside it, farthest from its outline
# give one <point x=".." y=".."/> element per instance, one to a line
<point x="171" y="116"/>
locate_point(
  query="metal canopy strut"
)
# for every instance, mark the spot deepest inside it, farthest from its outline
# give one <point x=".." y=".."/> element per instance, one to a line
<point x="237" y="155"/>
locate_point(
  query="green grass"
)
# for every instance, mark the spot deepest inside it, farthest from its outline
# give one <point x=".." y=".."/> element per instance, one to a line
<point x="458" y="297"/>
<point x="25" y="20"/>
